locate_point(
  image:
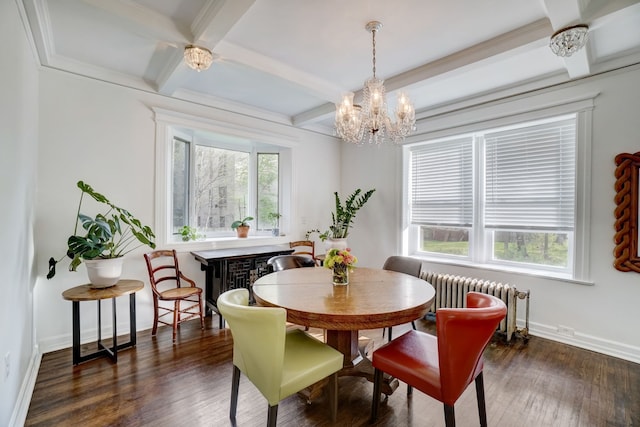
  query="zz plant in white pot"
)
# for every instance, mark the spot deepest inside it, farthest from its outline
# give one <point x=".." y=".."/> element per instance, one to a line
<point x="344" y="215"/>
<point x="108" y="236"/>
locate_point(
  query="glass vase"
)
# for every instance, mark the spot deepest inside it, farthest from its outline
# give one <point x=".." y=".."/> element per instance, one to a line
<point x="340" y="274"/>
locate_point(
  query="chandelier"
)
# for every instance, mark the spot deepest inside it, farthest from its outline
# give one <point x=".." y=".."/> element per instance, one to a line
<point x="567" y="41"/>
<point x="198" y="58"/>
<point x="369" y="122"/>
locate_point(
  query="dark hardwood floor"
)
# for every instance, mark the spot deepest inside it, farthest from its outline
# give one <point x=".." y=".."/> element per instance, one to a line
<point x="539" y="383"/>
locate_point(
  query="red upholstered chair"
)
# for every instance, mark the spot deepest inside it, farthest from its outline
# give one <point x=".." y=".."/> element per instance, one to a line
<point x="169" y="284"/>
<point x="443" y="366"/>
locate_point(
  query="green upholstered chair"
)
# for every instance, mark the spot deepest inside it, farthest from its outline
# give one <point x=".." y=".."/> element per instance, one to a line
<point x="278" y="362"/>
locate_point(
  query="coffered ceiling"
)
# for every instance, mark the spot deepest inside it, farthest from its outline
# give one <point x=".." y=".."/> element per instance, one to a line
<point x="289" y="61"/>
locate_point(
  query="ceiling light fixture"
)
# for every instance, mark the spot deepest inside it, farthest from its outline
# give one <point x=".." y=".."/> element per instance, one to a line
<point x="198" y="58"/>
<point x="369" y="122"/>
<point x="567" y="41"/>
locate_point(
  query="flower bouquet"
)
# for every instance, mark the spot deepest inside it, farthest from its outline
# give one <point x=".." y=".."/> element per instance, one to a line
<point x="341" y="261"/>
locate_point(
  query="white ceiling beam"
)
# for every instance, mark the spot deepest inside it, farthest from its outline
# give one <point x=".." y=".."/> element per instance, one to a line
<point x="174" y="73"/>
<point x="534" y="33"/>
<point x="216" y="18"/>
<point x="213" y="22"/>
<point x="312" y="84"/>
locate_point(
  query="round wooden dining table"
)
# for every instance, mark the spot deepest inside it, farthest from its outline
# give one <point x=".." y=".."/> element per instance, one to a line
<point x="374" y="298"/>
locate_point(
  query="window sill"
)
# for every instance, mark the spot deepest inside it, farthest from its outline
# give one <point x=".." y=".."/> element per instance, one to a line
<point x="227" y="242"/>
<point x="507" y="269"/>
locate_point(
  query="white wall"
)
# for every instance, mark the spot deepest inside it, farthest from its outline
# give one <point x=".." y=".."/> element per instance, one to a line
<point x="18" y="153"/>
<point x="104" y="135"/>
<point x="605" y="316"/>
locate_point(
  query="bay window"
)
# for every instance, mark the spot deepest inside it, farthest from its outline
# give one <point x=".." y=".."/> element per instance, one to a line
<point x="209" y="176"/>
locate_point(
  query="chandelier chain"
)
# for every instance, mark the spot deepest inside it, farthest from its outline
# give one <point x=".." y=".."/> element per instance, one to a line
<point x="373" y="32"/>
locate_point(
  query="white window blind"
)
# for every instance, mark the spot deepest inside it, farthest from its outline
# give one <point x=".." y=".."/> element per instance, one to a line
<point x="530" y="177"/>
<point x="442" y="183"/>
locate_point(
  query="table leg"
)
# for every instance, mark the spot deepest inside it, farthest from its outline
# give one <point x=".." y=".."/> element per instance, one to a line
<point x="132" y="319"/>
<point x="115" y="332"/>
<point x="76" y="331"/>
<point x="346" y="342"/>
<point x="355" y="364"/>
<point x="224" y="286"/>
<point x="208" y="286"/>
<point x="99" y="323"/>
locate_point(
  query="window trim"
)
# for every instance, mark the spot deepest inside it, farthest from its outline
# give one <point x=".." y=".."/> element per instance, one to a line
<point x="510" y="113"/>
<point x="171" y="123"/>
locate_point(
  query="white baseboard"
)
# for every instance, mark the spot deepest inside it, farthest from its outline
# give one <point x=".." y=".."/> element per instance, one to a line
<point x="588" y="342"/>
<point x="19" y="415"/>
<point x="60" y="342"/>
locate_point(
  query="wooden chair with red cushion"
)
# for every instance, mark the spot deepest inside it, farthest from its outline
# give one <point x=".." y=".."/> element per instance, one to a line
<point x="443" y="366"/>
<point x="169" y="284"/>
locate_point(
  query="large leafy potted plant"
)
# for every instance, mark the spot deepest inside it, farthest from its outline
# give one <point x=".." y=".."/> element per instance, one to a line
<point x="342" y="218"/>
<point x="106" y="237"/>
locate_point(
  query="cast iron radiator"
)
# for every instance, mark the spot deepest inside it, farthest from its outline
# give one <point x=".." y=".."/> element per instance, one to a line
<point x="451" y="292"/>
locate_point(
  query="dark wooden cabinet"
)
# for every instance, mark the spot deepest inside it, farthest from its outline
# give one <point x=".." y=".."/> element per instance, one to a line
<point x="234" y="268"/>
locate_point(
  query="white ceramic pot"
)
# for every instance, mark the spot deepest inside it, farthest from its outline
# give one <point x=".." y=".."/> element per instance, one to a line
<point x="104" y="272"/>
<point x="335" y="243"/>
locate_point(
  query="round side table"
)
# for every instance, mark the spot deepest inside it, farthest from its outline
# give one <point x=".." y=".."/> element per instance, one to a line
<point x="87" y="293"/>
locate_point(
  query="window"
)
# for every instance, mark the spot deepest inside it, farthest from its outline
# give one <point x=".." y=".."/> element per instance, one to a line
<point x="268" y="190"/>
<point x="504" y="196"/>
<point x="222" y="189"/>
<point x="209" y="174"/>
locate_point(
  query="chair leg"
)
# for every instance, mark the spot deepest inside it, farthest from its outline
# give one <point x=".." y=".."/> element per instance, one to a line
<point x="176" y="313"/>
<point x="273" y="416"/>
<point x="413" y="323"/>
<point x="377" y="382"/>
<point x="155" y="316"/>
<point x="449" y="416"/>
<point x="482" y="409"/>
<point x="333" y="395"/>
<point x="389" y="333"/>
<point x="409" y="390"/>
<point x="235" y="384"/>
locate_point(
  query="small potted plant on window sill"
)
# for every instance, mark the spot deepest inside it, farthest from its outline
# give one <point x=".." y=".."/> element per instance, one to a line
<point x="275" y="219"/>
<point x="189" y="233"/>
<point x="109" y="236"/>
<point x="242" y="226"/>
